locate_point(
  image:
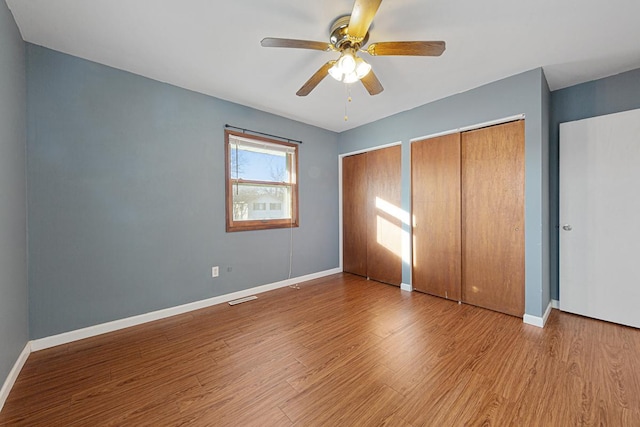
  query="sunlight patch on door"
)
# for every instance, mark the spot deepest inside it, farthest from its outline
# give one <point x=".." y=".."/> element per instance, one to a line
<point x="390" y="233"/>
<point x="394" y="211"/>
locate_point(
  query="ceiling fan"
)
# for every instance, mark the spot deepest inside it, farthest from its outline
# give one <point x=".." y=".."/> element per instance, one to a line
<point x="348" y="35"/>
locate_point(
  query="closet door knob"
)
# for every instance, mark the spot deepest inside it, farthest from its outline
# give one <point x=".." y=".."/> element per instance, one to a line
<point x="567" y="227"/>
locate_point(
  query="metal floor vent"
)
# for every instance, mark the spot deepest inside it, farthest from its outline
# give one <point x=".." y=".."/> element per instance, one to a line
<point x="241" y="300"/>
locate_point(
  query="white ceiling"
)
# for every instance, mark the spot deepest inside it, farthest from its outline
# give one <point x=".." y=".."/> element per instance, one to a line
<point x="213" y="46"/>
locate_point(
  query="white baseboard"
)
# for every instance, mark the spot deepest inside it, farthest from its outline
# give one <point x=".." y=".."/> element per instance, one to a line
<point x="538" y="321"/>
<point x="103" y="328"/>
<point x="406" y="287"/>
<point x="555" y="304"/>
<point x="13" y="374"/>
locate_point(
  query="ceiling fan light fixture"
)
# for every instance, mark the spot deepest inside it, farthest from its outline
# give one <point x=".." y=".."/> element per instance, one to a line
<point x="347" y="62"/>
<point x="349" y="68"/>
<point x="362" y="67"/>
<point x="350" y="78"/>
<point x="335" y="72"/>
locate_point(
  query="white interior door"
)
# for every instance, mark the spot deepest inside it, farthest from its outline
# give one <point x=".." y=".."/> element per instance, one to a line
<point x="600" y="217"/>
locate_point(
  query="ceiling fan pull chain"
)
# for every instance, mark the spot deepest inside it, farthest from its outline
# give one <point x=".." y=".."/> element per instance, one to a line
<point x="348" y="90"/>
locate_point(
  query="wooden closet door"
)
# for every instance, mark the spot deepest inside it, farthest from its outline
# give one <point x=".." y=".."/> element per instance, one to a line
<point x="354" y="214"/>
<point x="493" y="218"/>
<point x="384" y="242"/>
<point x="435" y="200"/>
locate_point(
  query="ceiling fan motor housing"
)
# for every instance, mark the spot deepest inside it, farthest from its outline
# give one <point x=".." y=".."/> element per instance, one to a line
<point x="339" y="36"/>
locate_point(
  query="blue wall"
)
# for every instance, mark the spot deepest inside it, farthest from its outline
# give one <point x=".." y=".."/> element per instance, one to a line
<point x="126" y="196"/>
<point x="126" y="184"/>
<point x="596" y="98"/>
<point x="14" y="326"/>
<point x="526" y="93"/>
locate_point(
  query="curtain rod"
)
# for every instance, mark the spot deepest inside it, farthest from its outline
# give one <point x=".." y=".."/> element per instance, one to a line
<point x="263" y="134"/>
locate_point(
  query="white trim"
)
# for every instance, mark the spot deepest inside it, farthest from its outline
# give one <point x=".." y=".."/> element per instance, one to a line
<point x="408" y="245"/>
<point x="13" y="374"/>
<point x="340" y="225"/>
<point x="434" y="135"/>
<point x="406" y="287"/>
<point x="366" y="150"/>
<point x="555" y="304"/>
<point x="470" y="127"/>
<point x="91" y="331"/>
<point x="538" y="321"/>
<point x="547" y="313"/>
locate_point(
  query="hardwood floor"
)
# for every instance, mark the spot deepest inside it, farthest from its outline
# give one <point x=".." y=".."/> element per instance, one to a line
<point x="339" y="351"/>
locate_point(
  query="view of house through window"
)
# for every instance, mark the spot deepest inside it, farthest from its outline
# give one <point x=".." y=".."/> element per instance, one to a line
<point x="261" y="182"/>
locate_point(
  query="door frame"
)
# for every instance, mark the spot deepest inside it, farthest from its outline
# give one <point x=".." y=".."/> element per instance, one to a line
<point x="595" y="280"/>
<point x="470" y="127"/>
<point x="340" y="220"/>
<point x="409" y="245"/>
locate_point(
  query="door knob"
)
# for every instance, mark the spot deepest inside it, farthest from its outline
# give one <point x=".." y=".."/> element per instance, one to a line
<point x="567" y="227"/>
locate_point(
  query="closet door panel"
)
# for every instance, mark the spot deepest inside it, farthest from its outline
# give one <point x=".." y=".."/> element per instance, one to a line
<point x="435" y="199"/>
<point x="384" y="241"/>
<point x="354" y="214"/>
<point x="493" y="218"/>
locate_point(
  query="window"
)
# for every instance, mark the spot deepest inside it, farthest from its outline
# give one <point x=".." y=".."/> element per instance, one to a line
<point x="261" y="182"/>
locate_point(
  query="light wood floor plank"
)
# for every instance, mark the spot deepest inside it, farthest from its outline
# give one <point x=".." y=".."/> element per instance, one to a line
<point x="341" y="350"/>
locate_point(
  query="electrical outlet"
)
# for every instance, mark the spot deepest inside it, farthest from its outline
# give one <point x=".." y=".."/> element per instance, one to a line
<point x="215" y="271"/>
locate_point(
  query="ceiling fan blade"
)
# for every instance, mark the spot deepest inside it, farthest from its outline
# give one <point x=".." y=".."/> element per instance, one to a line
<point x="372" y="84"/>
<point x="433" y="48"/>
<point x="362" y="17"/>
<point x="315" y="79"/>
<point x="293" y="43"/>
